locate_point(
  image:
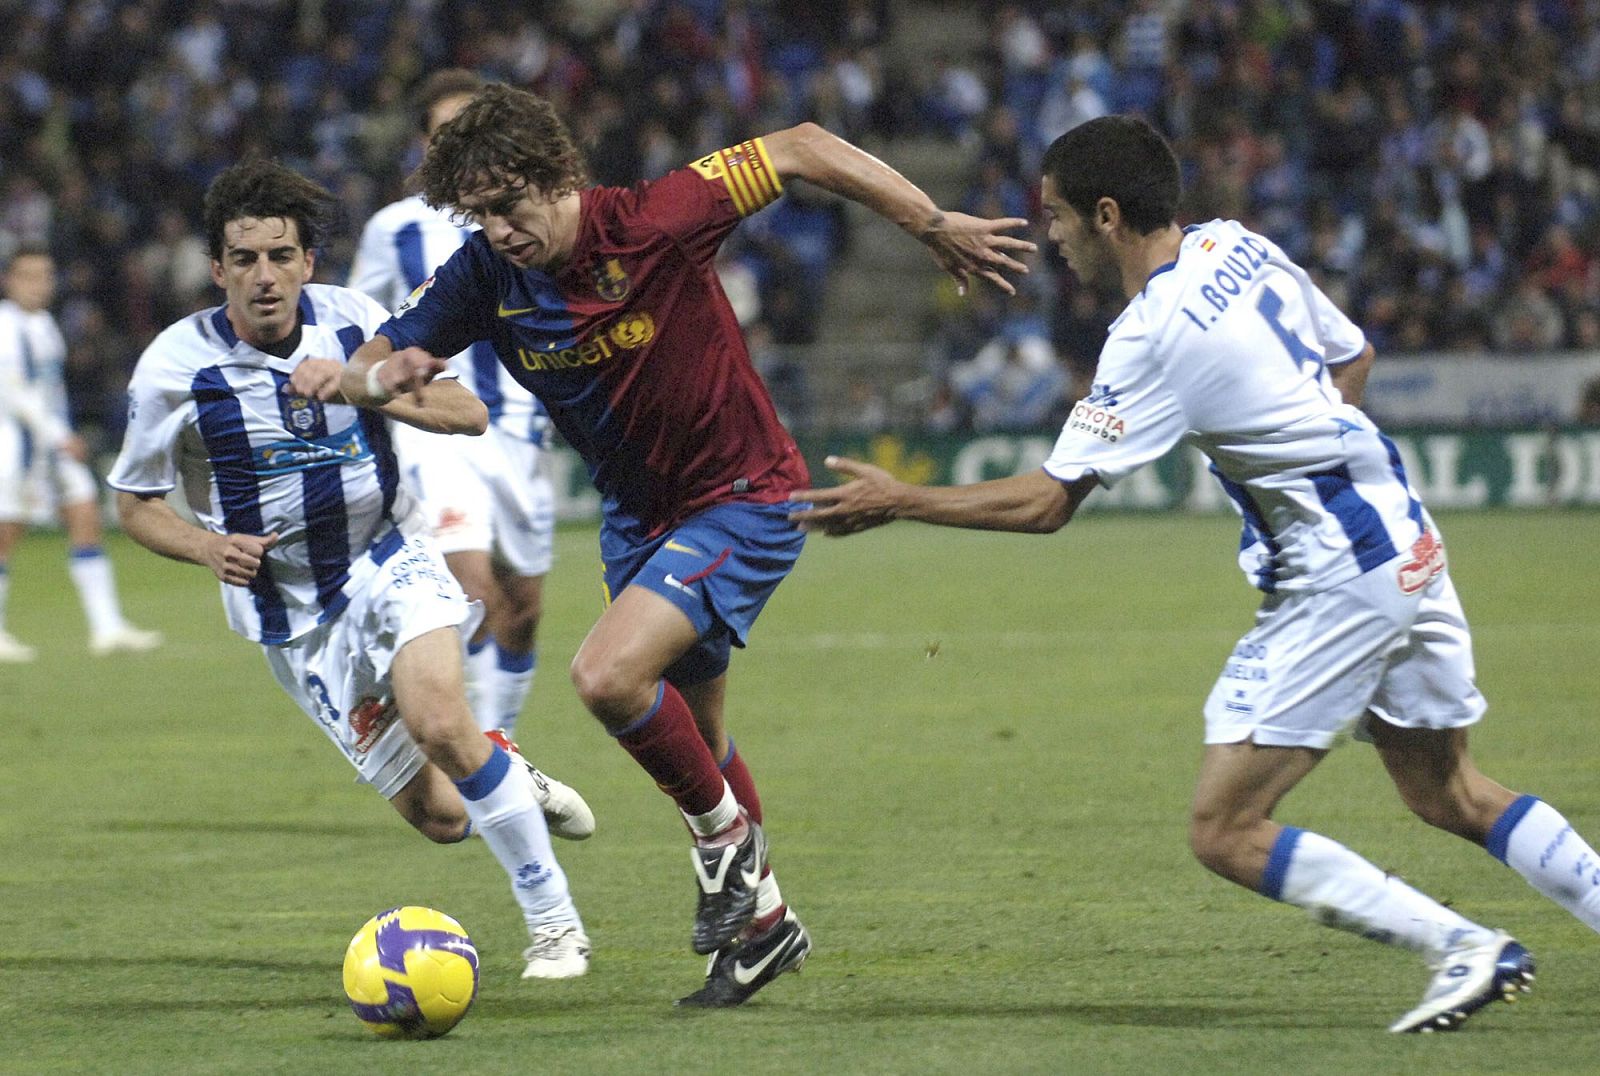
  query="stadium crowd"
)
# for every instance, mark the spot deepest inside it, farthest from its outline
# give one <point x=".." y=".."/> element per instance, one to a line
<point x="1434" y="164"/>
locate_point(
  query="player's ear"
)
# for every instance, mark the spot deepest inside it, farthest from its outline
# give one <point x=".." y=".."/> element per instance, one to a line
<point x="311" y="267"/>
<point x="1107" y="214"/>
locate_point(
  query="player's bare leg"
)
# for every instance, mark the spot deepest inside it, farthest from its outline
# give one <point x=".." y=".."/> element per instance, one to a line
<point x="1231" y="830"/>
<point x="515" y="640"/>
<point x="495" y="694"/>
<point x="618" y="675"/>
<point x="1232" y="833"/>
<point x="498" y="796"/>
<point x="1437" y="779"/>
<point x="430" y="802"/>
<point x="91" y="573"/>
<point x="474" y="570"/>
<point x="775" y="941"/>
<point x="12" y="649"/>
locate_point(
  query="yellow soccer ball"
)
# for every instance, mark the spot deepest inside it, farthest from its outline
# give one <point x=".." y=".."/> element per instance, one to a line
<point x="411" y="973"/>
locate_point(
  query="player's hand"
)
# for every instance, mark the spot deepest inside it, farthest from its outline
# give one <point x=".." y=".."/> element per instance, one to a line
<point x="869" y="499"/>
<point x="236" y="558"/>
<point x="409" y="369"/>
<point x="967" y="246"/>
<point x="317" y="378"/>
<point x="74" y="447"/>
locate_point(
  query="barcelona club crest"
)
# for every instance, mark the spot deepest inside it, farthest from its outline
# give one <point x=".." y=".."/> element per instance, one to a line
<point x="611" y="282"/>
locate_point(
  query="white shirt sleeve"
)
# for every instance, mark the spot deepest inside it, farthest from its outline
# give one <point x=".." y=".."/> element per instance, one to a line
<point x="158" y="410"/>
<point x="1130" y="419"/>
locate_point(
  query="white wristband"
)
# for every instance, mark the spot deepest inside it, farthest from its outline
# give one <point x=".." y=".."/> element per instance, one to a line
<point x="375" y="388"/>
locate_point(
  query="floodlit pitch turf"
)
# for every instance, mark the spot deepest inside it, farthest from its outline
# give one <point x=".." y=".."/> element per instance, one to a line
<point x="976" y="753"/>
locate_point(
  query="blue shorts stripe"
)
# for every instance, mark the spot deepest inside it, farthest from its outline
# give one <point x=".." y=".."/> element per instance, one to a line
<point x="1500" y="833"/>
<point x="1272" y="878"/>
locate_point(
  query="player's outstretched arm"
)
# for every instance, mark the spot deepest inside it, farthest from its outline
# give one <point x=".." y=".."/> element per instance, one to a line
<point x="398" y="383"/>
<point x="963" y="245"/>
<point x="1032" y="503"/>
<point x="445" y="407"/>
<point x="232" y="558"/>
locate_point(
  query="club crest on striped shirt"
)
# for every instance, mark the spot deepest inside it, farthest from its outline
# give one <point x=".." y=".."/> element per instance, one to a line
<point x="301" y="413"/>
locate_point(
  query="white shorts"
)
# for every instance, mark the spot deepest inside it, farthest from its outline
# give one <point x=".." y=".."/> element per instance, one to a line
<point x="34" y="484"/>
<point x="1314" y="664"/>
<point x="339" y="672"/>
<point x="486" y="493"/>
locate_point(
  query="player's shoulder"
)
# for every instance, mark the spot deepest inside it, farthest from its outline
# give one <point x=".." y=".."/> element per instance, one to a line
<point x="337" y="306"/>
<point x="1230" y="245"/>
<point x="407" y="211"/>
<point x="186" y="346"/>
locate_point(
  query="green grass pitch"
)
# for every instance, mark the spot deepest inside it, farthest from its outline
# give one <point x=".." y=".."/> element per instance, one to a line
<point x="976" y="754"/>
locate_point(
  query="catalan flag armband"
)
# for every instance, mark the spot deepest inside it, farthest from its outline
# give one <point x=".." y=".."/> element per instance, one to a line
<point x="746" y="171"/>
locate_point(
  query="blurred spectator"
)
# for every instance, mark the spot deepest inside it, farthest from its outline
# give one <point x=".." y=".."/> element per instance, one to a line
<point x="1528" y="320"/>
<point x="1589" y="404"/>
<point x="1435" y="166"/>
<point x="1014" y="381"/>
<point x="865" y="411"/>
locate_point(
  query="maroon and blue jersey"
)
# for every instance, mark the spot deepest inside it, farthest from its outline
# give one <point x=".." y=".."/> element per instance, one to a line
<point x="631" y="345"/>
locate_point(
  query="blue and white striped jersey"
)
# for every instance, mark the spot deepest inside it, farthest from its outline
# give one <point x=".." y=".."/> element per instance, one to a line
<point x="255" y="457"/>
<point x="400" y="248"/>
<point x="32" y="390"/>
<point x="1227" y="348"/>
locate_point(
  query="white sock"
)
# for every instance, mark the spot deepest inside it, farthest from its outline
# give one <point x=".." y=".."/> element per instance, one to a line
<point x="1342" y="890"/>
<point x="513" y="679"/>
<point x="5" y="592"/>
<point x="501" y="805"/>
<point x="768" y="899"/>
<point x="479" y="665"/>
<point x="90" y="569"/>
<point x="719" y="818"/>
<point x="1534" y="840"/>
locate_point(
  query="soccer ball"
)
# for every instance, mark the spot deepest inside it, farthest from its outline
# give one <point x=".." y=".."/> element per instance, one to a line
<point x="411" y="973"/>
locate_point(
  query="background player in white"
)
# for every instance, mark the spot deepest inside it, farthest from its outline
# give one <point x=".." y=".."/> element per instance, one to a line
<point x="488" y="501"/>
<point x="43" y="474"/>
<point x="317" y="546"/>
<point x="1227" y="345"/>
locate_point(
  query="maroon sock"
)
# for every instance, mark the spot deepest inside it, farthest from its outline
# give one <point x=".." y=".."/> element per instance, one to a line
<point x="739" y="779"/>
<point x="667" y="744"/>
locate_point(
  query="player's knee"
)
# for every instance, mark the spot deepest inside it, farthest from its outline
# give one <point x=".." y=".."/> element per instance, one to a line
<point x="439" y="728"/>
<point x="520" y="619"/>
<point x="609" y="691"/>
<point x="1215" y="842"/>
